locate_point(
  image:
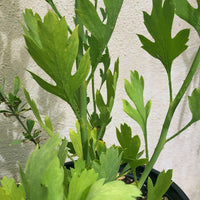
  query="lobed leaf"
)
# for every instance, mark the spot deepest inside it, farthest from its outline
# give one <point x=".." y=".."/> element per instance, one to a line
<point x="163" y="183"/>
<point x="134" y="90"/>
<point x="110" y="158"/>
<point x="80" y="184"/>
<point x="188" y="13"/>
<point x="10" y="190"/>
<point x="159" y="25"/>
<point x="55" y="53"/>
<point x="100" y="32"/>
<point x="43" y="176"/>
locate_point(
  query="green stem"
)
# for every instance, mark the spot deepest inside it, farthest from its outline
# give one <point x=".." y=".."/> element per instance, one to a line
<point x="146" y="143"/>
<point x="83" y="121"/>
<point x="179" y="132"/>
<point x="93" y="95"/>
<point x="170" y="87"/>
<point x="172" y="107"/>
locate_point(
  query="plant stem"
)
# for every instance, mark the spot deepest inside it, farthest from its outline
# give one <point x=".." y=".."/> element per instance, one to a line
<point x="170" y="87"/>
<point x="179" y="132"/>
<point x="93" y="95"/>
<point x="83" y="121"/>
<point x="172" y="107"/>
<point x="146" y="143"/>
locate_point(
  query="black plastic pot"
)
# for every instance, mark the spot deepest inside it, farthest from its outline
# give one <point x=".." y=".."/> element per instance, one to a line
<point x="173" y="193"/>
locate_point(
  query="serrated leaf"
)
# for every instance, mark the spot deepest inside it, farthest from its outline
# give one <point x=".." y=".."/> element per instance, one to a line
<point x="116" y="190"/>
<point x="130" y="146"/>
<point x="163" y="183"/>
<point x="188" y="13"/>
<point x="100" y="32"/>
<point x="110" y="158"/>
<point x="125" y="135"/>
<point x="159" y="25"/>
<point x="134" y="90"/>
<point x="10" y="190"/>
<point x="194" y="105"/>
<point x="17" y="85"/>
<point x="43" y="176"/>
<point x="55" y="53"/>
<point x="80" y="184"/>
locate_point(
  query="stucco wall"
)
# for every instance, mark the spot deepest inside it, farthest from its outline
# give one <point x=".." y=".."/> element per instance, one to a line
<point x="182" y="154"/>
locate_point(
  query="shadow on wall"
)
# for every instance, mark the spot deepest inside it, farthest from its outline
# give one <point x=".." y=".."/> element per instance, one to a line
<point x="13" y="61"/>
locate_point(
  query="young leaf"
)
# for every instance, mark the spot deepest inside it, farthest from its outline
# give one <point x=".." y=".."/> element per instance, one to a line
<point x="188" y="13"/>
<point x="10" y="190"/>
<point x="17" y="85"/>
<point x="106" y="62"/>
<point x="194" y="104"/>
<point x="106" y="108"/>
<point x="134" y="89"/>
<point x="43" y="176"/>
<point x="30" y="124"/>
<point x="162" y="185"/>
<point x="116" y="190"/>
<point x="130" y="146"/>
<point x="110" y="158"/>
<point x="159" y="25"/>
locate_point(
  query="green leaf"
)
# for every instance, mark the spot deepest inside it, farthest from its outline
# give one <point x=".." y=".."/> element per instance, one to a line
<point x="162" y="185"/>
<point x="130" y="146"/>
<point x="10" y="190"/>
<point x="30" y="124"/>
<point x="17" y="85"/>
<point x="116" y="190"/>
<point x="76" y="141"/>
<point x="100" y="32"/>
<point x="15" y="142"/>
<point x="159" y="25"/>
<point x="43" y="176"/>
<point x="134" y="89"/>
<point x="55" y="53"/>
<point x="80" y="184"/>
<point x="62" y="153"/>
<point x="188" y="13"/>
<point x="37" y="114"/>
<point x="194" y="105"/>
<point x="106" y="62"/>
<point x="48" y="123"/>
<point x="110" y="158"/>
<point x="124" y="136"/>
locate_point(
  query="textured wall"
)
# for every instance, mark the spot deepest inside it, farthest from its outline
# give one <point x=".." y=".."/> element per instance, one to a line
<point x="182" y="154"/>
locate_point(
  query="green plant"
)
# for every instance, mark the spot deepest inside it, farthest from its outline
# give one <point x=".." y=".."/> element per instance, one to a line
<point x="15" y="108"/>
<point x="55" y="47"/>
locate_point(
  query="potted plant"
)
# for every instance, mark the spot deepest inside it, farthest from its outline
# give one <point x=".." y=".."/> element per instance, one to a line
<point x="56" y="48"/>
